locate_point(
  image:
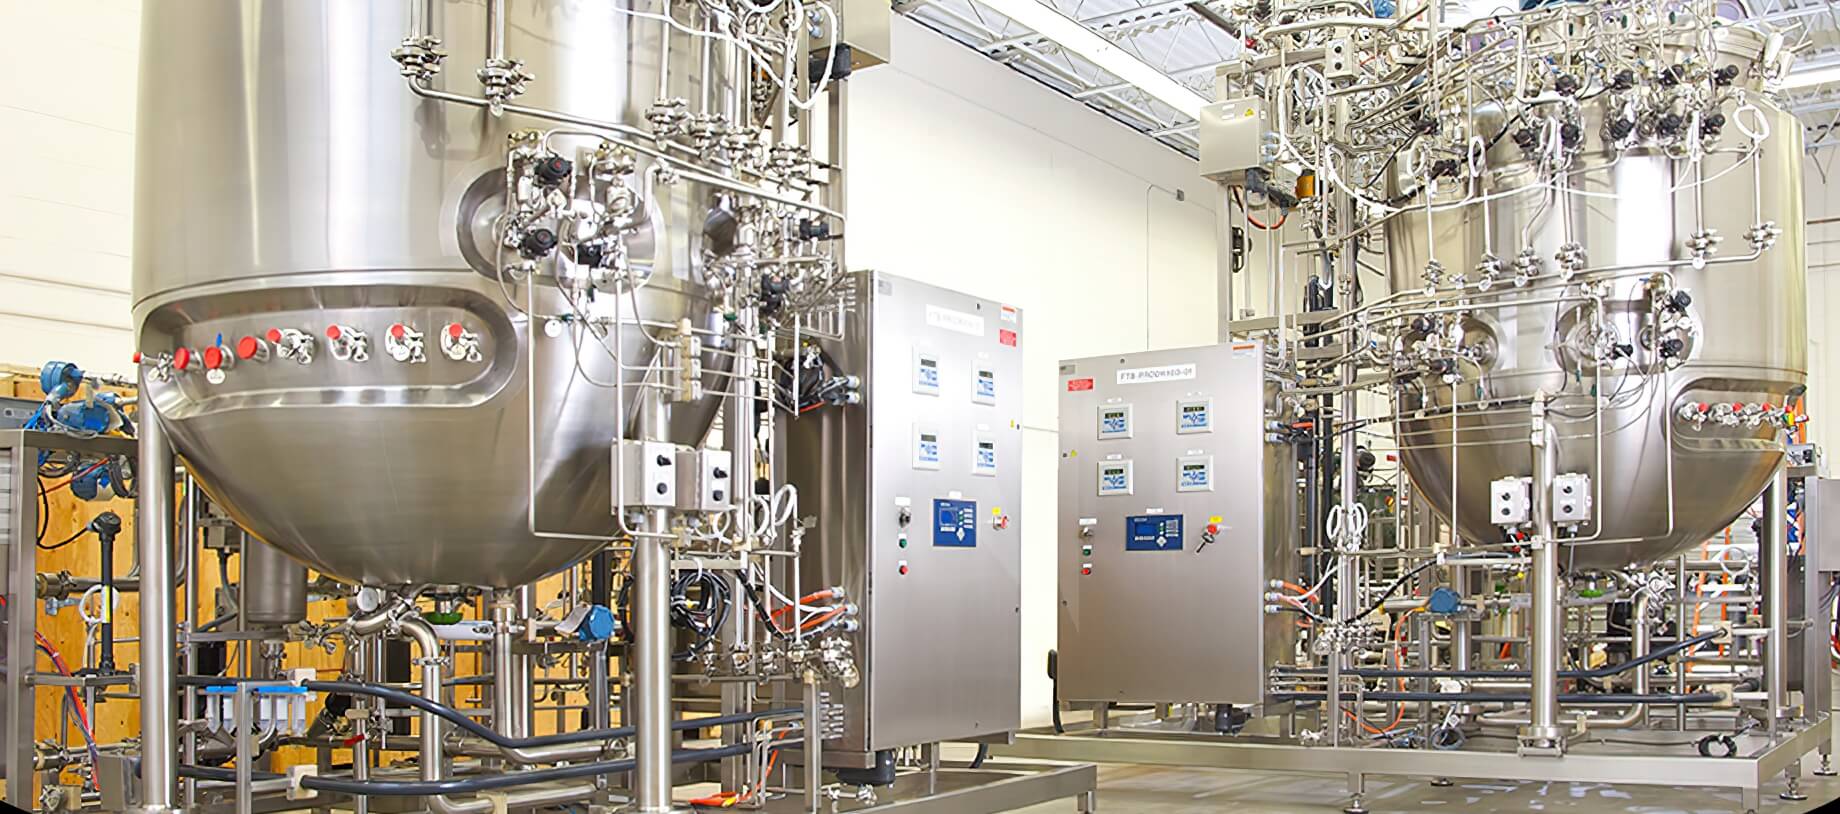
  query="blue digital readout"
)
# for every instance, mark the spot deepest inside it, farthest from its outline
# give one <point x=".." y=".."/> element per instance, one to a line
<point x="927" y="375"/>
<point x="1114" y="422"/>
<point x="1194" y="417"/>
<point x="1153" y="532"/>
<point x="1195" y="475"/>
<point x="955" y="523"/>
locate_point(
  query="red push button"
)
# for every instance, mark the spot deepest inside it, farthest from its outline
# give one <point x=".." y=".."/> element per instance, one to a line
<point x="1086" y="570"/>
<point x="903" y="569"/>
<point x="1213" y="528"/>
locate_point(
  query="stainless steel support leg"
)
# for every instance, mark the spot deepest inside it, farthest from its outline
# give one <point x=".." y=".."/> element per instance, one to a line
<point x="1753" y="800"/>
<point x="1793" y="777"/>
<point x="652" y="670"/>
<point x="523" y="676"/>
<point x="154" y="527"/>
<point x="244" y="733"/>
<point x="21" y="622"/>
<point x="1357" y="794"/>
<point x="504" y="674"/>
<point x="1776" y="596"/>
<point x="1087" y="802"/>
<point x="188" y="527"/>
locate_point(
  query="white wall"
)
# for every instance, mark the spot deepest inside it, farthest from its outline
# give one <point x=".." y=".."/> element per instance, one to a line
<point x="968" y="175"/>
<point x="67" y="131"/>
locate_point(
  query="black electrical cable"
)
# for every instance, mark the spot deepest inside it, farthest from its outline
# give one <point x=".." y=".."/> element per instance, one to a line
<point x="44" y="509"/>
<point x="1391" y="589"/>
<point x="485" y="733"/>
<point x="760" y="608"/>
<point x="466" y="785"/>
<point x="812" y="379"/>
<point x="121" y="475"/>
<point x="1579" y="699"/>
<point x="706" y="622"/>
<point x="64" y="542"/>
<point x="983" y="753"/>
<point x="1606" y="671"/>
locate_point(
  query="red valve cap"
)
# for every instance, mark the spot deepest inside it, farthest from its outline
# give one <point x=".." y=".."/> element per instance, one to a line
<point x="274" y="334"/>
<point x="397" y="330"/>
<point x="213" y="357"/>
<point x="247" y="346"/>
<point x="455" y="330"/>
<point x="332" y="332"/>
<point x="182" y="358"/>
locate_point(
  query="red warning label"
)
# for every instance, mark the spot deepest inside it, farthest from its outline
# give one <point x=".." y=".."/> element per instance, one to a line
<point x="1006" y="336"/>
<point x="1076" y="385"/>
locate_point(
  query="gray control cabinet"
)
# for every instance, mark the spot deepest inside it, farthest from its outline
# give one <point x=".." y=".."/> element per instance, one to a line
<point x="1174" y="512"/>
<point x="917" y="494"/>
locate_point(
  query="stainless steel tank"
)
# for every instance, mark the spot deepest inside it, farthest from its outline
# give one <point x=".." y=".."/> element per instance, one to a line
<point x="288" y="180"/>
<point x="1662" y="480"/>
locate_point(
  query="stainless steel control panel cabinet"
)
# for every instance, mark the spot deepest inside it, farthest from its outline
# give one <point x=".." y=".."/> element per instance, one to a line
<point x="1172" y="517"/>
<point x="917" y="496"/>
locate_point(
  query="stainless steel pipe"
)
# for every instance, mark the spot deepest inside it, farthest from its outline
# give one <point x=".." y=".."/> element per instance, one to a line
<point x="651" y="596"/>
<point x="154" y="530"/>
<point x="1776" y="594"/>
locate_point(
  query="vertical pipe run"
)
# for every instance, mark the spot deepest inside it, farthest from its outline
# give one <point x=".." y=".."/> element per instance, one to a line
<point x="188" y="526"/>
<point x="1347" y="600"/>
<point x="652" y="642"/>
<point x="739" y="424"/>
<point x="159" y="740"/>
<point x="1776" y="594"/>
<point x="600" y="715"/>
<point x="523" y="679"/>
<point x="1683" y="621"/>
<point x="495" y="31"/>
<point x="1223" y="240"/>
<point x="1544" y="639"/>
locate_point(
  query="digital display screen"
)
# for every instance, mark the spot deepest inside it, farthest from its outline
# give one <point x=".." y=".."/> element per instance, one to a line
<point x="1194" y="416"/>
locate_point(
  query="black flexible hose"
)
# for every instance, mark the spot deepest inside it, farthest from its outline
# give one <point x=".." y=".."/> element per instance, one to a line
<point x="1580" y="699"/>
<point x="1594" y="673"/>
<point x="983" y="752"/>
<point x="1390" y="590"/>
<point x="465" y="785"/>
<point x="485" y="733"/>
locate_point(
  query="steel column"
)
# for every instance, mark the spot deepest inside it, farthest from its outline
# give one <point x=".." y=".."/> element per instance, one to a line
<point x="154" y="530"/>
<point x="1776" y="594"/>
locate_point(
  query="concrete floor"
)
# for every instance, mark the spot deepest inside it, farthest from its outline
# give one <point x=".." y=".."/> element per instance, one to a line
<point x="1155" y="790"/>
